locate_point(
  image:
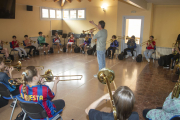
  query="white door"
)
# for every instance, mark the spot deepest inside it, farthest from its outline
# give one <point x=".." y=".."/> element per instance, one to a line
<point x="132" y="25"/>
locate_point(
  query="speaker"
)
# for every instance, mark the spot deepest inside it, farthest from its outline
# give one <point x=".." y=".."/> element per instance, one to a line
<point x="29" y="8"/>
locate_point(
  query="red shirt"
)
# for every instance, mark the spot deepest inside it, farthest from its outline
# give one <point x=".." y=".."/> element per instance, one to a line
<point x="72" y="39"/>
<point x="150" y="47"/>
<point x="13" y="43"/>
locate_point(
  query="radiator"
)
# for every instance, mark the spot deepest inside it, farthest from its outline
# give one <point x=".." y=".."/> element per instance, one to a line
<point x="164" y="50"/>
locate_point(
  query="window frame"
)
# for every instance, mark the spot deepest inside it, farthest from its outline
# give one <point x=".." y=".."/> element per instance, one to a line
<point x="76" y="14"/>
<point x="41" y="18"/>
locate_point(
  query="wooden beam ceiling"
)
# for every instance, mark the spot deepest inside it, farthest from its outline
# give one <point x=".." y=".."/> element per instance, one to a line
<point x="62" y="3"/>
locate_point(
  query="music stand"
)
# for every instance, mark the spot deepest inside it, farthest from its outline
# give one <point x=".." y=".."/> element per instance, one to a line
<point x="64" y="36"/>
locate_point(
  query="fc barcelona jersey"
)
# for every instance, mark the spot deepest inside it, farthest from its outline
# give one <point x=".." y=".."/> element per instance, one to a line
<point x="41" y="94"/>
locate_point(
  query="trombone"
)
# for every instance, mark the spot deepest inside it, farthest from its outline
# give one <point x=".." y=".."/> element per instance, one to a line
<point x="106" y="76"/>
<point x="88" y="31"/>
<point x="48" y="78"/>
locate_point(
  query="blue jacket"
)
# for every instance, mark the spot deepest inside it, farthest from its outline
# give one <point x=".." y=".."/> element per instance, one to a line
<point x="114" y="44"/>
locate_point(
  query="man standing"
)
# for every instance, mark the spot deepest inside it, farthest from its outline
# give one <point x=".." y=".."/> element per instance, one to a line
<point x="101" y="37"/>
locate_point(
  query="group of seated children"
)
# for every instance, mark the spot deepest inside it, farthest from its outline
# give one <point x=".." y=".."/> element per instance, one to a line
<point x="147" y="53"/>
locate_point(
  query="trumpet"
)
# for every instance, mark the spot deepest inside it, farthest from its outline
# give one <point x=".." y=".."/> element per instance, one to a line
<point x="3" y="42"/>
<point x="88" y="31"/>
<point x="33" y="41"/>
<point x="48" y="78"/>
<point x="17" y="65"/>
<point x="148" y="41"/>
<point x="106" y="76"/>
<point x="86" y="38"/>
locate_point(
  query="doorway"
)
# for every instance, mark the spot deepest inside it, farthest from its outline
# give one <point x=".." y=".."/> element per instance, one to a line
<point x="132" y="25"/>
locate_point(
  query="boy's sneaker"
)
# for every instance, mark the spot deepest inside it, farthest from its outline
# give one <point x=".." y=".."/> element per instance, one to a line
<point x="148" y="60"/>
<point x="12" y="104"/>
<point x="28" y="58"/>
<point x="83" y="52"/>
<point x="61" y="49"/>
<point x="66" y="50"/>
<point x="22" y="59"/>
<point x="133" y="57"/>
<point x="44" y="53"/>
<point x="58" y="51"/>
<point x="127" y="56"/>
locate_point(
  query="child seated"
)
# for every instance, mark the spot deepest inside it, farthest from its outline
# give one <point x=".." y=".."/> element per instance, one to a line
<point x="86" y="42"/>
<point x="15" y="44"/>
<point x="14" y="90"/>
<point x="71" y="42"/>
<point x="124" y="100"/>
<point x="113" y="46"/>
<point x="57" y="41"/>
<point x="28" y="44"/>
<point x="31" y="90"/>
<point x="42" y="41"/>
<point x="130" y="43"/>
<point x="4" y="50"/>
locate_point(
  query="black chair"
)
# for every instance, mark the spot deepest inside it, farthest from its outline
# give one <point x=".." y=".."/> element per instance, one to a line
<point x="35" y="111"/>
<point x="4" y="91"/>
<point x="177" y="117"/>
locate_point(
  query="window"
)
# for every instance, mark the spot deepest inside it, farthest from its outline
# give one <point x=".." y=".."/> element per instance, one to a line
<point x="65" y="14"/>
<point x="72" y="14"/>
<point x="45" y="13"/>
<point x="58" y="13"/>
<point x="81" y="14"/>
<point x="52" y="14"/>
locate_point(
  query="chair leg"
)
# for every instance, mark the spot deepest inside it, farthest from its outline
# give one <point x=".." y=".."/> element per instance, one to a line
<point x="13" y="109"/>
<point x="24" y="116"/>
<point x="47" y="118"/>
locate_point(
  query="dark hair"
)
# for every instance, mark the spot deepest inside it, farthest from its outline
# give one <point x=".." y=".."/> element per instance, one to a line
<point x="40" y="33"/>
<point x="133" y="37"/>
<point x="124" y="101"/>
<point x="114" y="36"/>
<point x="30" y="72"/>
<point x="102" y="23"/>
<point x="1" y="59"/>
<point x="152" y="36"/>
<point x="14" y="36"/>
<point x="26" y="36"/>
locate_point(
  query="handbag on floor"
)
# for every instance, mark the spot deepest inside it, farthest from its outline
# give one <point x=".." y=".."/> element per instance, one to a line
<point x="161" y="61"/>
<point x="35" y="52"/>
<point x="121" y="56"/>
<point x="51" y="50"/>
<point x="64" y="49"/>
<point x="90" y="51"/>
<point x="139" y="58"/>
<point x="21" y="115"/>
<point x="77" y="49"/>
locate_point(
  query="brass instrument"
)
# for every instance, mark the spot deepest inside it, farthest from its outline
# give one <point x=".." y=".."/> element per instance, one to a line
<point x="17" y="65"/>
<point x="8" y="61"/>
<point x="48" y="78"/>
<point x="33" y="41"/>
<point x="3" y="42"/>
<point x="148" y="41"/>
<point x="88" y="31"/>
<point x="106" y="76"/>
<point x="86" y="38"/>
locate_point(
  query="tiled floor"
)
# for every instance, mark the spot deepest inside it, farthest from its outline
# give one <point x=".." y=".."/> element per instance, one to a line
<point x="151" y="84"/>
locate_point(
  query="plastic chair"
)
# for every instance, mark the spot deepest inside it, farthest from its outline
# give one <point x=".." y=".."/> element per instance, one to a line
<point x="133" y="47"/>
<point x="55" y="44"/>
<point x="4" y="91"/>
<point x="74" y="43"/>
<point x="35" y="111"/>
<point x="12" y="50"/>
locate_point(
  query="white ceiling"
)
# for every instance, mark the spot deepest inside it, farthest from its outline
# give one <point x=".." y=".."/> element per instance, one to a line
<point x="164" y="2"/>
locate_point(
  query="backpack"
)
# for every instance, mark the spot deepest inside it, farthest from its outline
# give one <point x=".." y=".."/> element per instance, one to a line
<point x="121" y="56"/>
<point x="35" y="52"/>
<point x="64" y="49"/>
<point x="139" y="58"/>
<point x="51" y="50"/>
<point x="21" y="115"/>
<point x="77" y="49"/>
<point x="161" y="61"/>
<point x="90" y="51"/>
<point x="3" y="102"/>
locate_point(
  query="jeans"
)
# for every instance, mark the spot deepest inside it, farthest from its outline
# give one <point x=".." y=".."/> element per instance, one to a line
<point x="19" y="51"/>
<point x="101" y="59"/>
<point x="148" y="53"/>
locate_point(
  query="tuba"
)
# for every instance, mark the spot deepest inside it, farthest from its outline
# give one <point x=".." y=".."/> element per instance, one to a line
<point x="106" y="76"/>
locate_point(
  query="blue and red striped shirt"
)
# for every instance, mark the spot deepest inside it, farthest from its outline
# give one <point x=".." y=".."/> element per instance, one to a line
<point x="41" y="94"/>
